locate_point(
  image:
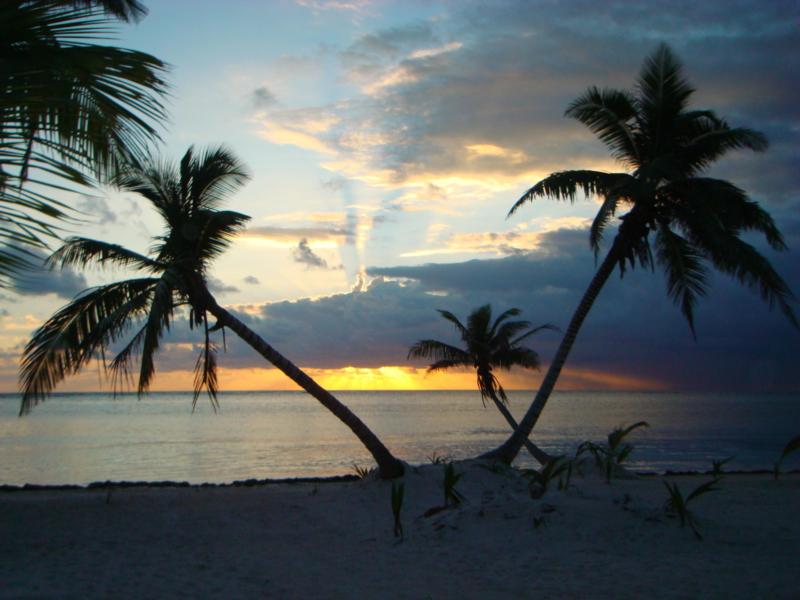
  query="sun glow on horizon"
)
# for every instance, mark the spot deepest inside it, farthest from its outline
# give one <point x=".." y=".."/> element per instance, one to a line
<point x="352" y="378"/>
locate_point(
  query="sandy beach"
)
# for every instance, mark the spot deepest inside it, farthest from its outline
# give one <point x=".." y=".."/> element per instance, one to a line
<point x="335" y="540"/>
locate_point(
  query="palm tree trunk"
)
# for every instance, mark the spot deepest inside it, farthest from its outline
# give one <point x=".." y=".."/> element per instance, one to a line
<point x="540" y="455"/>
<point x="388" y="466"/>
<point x="511" y="447"/>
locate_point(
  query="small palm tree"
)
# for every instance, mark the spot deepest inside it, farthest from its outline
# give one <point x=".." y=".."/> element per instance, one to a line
<point x="487" y="345"/>
<point x="694" y="221"/>
<point x="70" y="109"/>
<point x="174" y="275"/>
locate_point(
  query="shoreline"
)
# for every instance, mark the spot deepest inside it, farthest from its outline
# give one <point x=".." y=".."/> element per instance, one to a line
<point x="253" y="482"/>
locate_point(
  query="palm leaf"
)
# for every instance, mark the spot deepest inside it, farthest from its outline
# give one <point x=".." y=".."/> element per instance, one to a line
<point x="564" y="185"/>
<point x="686" y="276"/>
<point x="73" y="336"/>
<point x="610" y="114"/>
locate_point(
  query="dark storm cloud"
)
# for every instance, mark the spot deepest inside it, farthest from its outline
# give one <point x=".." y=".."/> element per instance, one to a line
<point x="633" y="328"/>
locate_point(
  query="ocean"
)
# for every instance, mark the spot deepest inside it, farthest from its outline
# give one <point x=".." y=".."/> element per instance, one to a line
<point x="81" y="438"/>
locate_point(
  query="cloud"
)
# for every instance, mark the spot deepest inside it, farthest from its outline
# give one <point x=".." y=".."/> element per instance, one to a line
<point x="251" y="280"/>
<point x="64" y="283"/>
<point x="263" y="98"/>
<point x="97" y="209"/>
<point x="305" y="255"/>
<point x="472" y="103"/>
<point x="218" y="286"/>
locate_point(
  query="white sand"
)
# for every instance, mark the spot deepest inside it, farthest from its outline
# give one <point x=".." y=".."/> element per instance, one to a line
<point x="335" y="540"/>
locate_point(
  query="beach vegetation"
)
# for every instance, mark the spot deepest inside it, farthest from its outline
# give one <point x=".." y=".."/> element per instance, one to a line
<point x="539" y="479"/>
<point x="615" y="452"/>
<point x="398" y="496"/>
<point x="172" y="283"/>
<point x="452" y="497"/>
<point x="73" y="110"/>
<point x="716" y="466"/>
<point x="487" y="345"/>
<point x="678" y="505"/>
<point x="671" y="213"/>
<point x="438" y="459"/>
<point x="792" y="446"/>
<point x="361" y="472"/>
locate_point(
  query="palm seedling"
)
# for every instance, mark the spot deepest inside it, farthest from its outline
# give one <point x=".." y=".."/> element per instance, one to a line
<point x="398" y="495"/>
<point x="452" y="497"/>
<point x="679" y="506"/>
<point x="539" y="480"/>
<point x="716" y="466"/>
<point x="792" y="446"/>
<point x="674" y="215"/>
<point x="615" y="452"/>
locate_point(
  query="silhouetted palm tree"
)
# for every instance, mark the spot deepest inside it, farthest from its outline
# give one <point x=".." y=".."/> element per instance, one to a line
<point x="694" y="221"/>
<point x="174" y="273"/>
<point x="70" y="109"/>
<point x="487" y="346"/>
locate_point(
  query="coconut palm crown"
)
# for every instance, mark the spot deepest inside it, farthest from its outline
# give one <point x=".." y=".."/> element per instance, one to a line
<point x="174" y="277"/>
<point x="186" y="197"/>
<point x="674" y="215"/>
<point x="487" y="346"/>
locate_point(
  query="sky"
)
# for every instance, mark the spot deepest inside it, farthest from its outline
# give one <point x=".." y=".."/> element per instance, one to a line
<point x="387" y="142"/>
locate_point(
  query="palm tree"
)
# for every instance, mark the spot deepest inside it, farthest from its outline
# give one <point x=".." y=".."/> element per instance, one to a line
<point x="174" y="275"/>
<point x="70" y="110"/>
<point x="695" y="221"/>
<point x="487" y="346"/>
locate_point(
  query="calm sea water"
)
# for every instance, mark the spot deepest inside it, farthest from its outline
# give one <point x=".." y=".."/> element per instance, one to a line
<point x="80" y="438"/>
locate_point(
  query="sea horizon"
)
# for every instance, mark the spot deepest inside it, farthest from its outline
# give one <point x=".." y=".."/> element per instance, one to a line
<point x="85" y="437"/>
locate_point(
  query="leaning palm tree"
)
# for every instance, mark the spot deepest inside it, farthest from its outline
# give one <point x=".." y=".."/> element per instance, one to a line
<point x="694" y="221"/>
<point x="173" y="275"/>
<point x="487" y="345"/>
<point x="70" y="109"/>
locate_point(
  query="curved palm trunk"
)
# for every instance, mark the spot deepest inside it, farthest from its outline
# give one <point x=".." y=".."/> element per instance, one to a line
<point x="388" y="466"/>
<point x="540" y="455"/>
<point x="511" y="447"/>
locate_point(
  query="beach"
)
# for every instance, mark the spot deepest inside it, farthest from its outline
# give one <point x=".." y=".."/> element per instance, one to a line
<point x="336" y="539"/>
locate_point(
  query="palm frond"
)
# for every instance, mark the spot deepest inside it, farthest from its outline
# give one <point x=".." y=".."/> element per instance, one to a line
<point x="511" y="312"/>
<point x="205" y="370"/>
<point x="718" y="203"/>
<point x="663" y="93"/>
<point x="77" y="251"/>
<point x="437" y="350"/>
<point x="73" y="336"/>
<point x="686" y="275"/>
<point x="564" y="185"/>
<point x="534" y="331"/>
<point x="610" y="114"/>
<point x="454" y="320"/>
<point x="158" y="321"/>
<point x="517" y="356"/>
